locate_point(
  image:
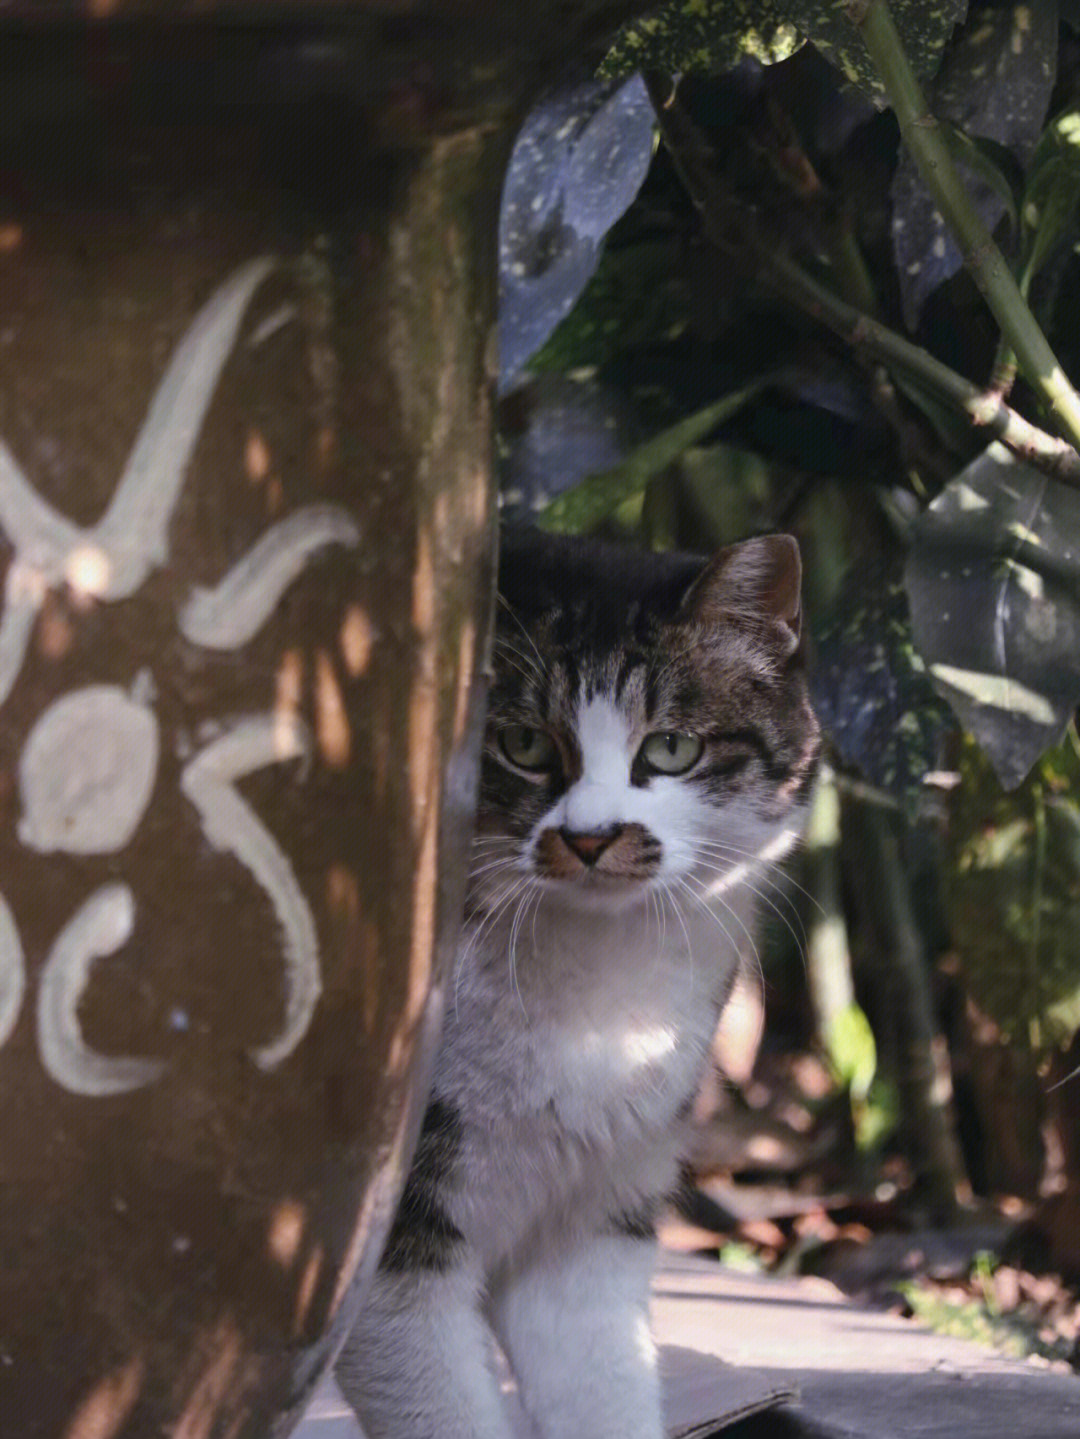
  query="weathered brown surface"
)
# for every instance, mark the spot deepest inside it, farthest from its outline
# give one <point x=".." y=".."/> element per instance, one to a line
<point x="177" y="1240"/>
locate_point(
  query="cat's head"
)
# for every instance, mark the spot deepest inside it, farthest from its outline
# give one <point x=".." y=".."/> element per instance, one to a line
<point x="649" y="720"/>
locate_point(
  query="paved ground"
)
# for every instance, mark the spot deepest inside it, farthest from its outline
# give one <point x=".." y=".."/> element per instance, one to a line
<point x="734" y="1344"/>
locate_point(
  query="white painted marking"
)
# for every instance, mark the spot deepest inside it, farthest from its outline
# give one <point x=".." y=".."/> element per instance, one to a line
<point x="16" y="626"/>
<point x="231" y="824"/>
<point x="230" y="614"/>
<point x="12" y="971"/>
<point x="133" y="532"/>
<point x="99" y="927"/>
<point x="87" y="772"/>
<point x="112" y="558"/>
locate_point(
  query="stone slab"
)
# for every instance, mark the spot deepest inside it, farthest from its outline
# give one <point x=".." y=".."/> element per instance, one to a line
<point x="735" y="1344"/>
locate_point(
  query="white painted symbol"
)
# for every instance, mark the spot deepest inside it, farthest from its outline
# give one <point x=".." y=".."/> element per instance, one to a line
<point x="231" y="824"/>
<point x="88" y="770"/>
<point x="98" y="927"/>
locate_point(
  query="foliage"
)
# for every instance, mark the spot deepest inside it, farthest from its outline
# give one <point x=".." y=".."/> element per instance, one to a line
<point x="1048" y="207"/>
<point x="871" y="688"/>
<point x="1013" y="893"/>
<point x="942" y="570"/>
<point x="994" y="87"/>
<point x="971" y="1309"/>
<point x="713" y="35"/>
<point x="576" y="165"/>
<point x="598" y="496"/>
<point x="993" y="577"/>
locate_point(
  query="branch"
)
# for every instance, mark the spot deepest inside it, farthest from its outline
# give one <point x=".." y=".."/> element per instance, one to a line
<point x="732" y="227"/>
<point x="985" y="409"/>
<point x="981" y="255"/>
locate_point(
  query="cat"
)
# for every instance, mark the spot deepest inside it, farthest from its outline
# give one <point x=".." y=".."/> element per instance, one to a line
<point x="649" y="745"/>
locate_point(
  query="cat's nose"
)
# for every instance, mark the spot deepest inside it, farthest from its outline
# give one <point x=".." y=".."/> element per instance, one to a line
<point x="589" y="847"/>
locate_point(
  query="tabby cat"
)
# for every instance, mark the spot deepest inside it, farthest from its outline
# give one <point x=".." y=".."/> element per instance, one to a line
<point x="649" y="747"/>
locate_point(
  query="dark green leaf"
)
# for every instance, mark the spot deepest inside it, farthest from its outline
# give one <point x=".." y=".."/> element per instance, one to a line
<point x="993" y="579"/>
<point x="553" y="431"/>
<point x="636" y="297"/>
<point x="871" y="690"/>
<point x="1012" y="888"/>
<point x="995" y="165"/>
<point x="993" y="88"/>
<point x="598" y="496"/>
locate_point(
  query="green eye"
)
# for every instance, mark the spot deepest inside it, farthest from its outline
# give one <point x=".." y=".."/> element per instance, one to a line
<point x="527" y="748"/>
<point x="670" y="753"/>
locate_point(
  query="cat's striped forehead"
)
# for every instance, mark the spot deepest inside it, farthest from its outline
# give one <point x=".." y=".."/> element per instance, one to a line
<point x="656" y="666"/>
<point x="659" y="644"/>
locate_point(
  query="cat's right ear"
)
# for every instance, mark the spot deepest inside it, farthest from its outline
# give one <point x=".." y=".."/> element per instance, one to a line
<point x="759" y="579"/>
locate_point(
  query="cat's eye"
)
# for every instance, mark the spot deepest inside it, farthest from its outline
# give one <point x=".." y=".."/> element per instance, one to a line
<point x="668" y="752"/>
<point x="526" y="747"/>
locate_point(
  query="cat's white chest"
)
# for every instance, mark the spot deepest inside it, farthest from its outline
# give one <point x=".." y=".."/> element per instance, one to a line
<point x="571" y="1064"/>
<point x="617" y="1030"/>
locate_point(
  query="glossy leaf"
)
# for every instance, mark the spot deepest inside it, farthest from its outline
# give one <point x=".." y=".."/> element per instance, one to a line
<point x="711" y="35"/>
<point x="993" y="89"/>
<point x="576" y="165"/>
<point x="993" y="579"/>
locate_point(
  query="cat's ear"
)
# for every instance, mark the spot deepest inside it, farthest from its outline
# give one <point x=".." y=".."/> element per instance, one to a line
<point x="758" y="579"/>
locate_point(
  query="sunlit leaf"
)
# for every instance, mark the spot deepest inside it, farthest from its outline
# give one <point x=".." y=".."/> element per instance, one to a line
<point x="1053" y="191"/>
<point x="713" y="35"/>
<point x="852" y="1052"/>
<point x="993" y="579"/>
<point x="1012" y="888"/>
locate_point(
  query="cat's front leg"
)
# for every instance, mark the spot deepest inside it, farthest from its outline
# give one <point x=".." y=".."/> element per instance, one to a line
<point x="417" y="1364"/>
<point x="575" y="1325"/>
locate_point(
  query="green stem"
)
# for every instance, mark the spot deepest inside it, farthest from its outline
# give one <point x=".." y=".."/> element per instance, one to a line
<point x="985" y="410"/>
<point x="1003" y="375"/>
<point x="734" y="230"/>
<point x="981" y="255"/>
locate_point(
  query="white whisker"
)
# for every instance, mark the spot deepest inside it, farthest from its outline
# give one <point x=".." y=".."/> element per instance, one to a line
<point x="519" y="914"/>
<point x="532" y="644"/>
<point x="752" y="883"/>
<point x="723" y="850"/>
<point x="706" y="905"/>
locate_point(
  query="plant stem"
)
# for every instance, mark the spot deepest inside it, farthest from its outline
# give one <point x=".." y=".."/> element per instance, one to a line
<point x="986" y="410"/>
<point x="733" y="229"/>
<point x="981" y="255"/>
<point x="923" y="1071"/>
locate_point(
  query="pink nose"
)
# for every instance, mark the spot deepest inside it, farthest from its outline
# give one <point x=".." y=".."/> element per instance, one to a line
<point x="589" y="847"/>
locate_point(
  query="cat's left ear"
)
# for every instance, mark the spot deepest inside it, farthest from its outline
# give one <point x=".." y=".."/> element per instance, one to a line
<point x="759" y="579"/>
